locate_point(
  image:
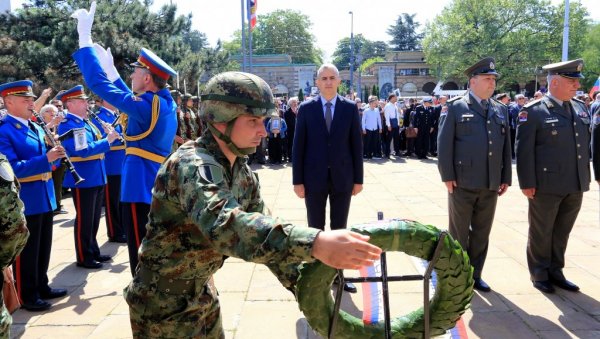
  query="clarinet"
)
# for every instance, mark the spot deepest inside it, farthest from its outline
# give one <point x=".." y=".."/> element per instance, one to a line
<point x="102" y="122"/>
<point x="76" y="177"/>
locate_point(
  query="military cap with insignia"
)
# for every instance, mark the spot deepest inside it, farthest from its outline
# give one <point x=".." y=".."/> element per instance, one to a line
<point x="428" y="99"/>
<point x="484" y="66"/>
<point x="73" y="93"/>
<point x="21" y="88"/>
<point x="154" y="64"/>
<point x="568" y="69"/>
<point x="186" y="96"/>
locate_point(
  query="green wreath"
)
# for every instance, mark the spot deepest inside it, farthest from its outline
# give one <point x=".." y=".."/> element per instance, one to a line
<point x="452" y="295"/>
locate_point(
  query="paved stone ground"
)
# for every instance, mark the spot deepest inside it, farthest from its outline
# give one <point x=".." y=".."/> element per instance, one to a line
<point x="254" y="305"/>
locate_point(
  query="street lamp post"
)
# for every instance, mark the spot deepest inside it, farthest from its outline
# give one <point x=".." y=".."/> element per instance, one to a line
<point x="351" y="52"/>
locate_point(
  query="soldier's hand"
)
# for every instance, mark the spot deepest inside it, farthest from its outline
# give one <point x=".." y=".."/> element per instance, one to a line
<point x="46" y="93"/>
<point x="416" y="131"/>
<point x="343" y="249"/>
<point x="179" y="139"/>
<point x="502" y="189"/>
<point x="357" y="189"/>
<point x="85" y="19"/>
<point x="299" y="190"/>
<point x="55" y="153"/>
<point x="450" y="186"/>
<point x="389" y="129"/>
<point x="529" y="192"/>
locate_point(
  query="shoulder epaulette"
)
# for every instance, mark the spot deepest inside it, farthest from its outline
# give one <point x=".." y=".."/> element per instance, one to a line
<point x="579" y="101"/>
<point x="454" y="99"/>
<point x="532" y="103"/>
<point x="497" y="102"/>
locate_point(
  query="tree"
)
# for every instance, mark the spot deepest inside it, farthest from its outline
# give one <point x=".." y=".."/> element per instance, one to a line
<point x="38" y="40"/>
<point x="591" y="57"/>
<point x="367" y="63"/>
<point x="366" y="48"/>
<point x="520" y="35"/>
<point x="281" y="32"/>
<point x="300" y="95"/>
<point x="404" y="33"/>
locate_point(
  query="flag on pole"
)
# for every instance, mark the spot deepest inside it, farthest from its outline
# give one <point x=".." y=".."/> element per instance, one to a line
<point x="595" y="88"/>
<point x="252" y="13"/>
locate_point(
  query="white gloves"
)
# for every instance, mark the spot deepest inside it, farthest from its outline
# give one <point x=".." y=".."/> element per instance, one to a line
<point x="85" y="19"/>
<point x="106" y="61"/>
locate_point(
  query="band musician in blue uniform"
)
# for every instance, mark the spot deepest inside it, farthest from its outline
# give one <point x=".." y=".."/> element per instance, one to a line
<point x="151" y="121"/>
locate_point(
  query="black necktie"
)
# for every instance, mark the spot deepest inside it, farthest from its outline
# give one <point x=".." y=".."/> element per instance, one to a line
<point x="567" y="107"/>
<point x="484" y="105"/>
<point x="328" y="115"/>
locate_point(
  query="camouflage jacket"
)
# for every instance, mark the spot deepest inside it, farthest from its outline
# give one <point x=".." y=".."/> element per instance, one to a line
<point x="204" y="210"/>
<point x="13" y="232"/>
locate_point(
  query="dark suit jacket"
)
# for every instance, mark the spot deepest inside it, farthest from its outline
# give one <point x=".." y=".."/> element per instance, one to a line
<point x="317" y="151"/>
<point x="290" y="120"/>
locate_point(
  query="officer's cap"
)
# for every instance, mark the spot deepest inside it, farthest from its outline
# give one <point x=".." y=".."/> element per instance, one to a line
<point x="21" y="88"/>
<point x="482" y="67"/>
<point x="73" y="93"/>
<point x="568" y="69"/>
<point x="428" y="99"/>
<point x="154" y="64"/>
<point x="187" y="96"/>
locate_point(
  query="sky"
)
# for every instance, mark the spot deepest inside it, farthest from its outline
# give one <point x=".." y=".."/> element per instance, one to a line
<point x="331" y="20"/>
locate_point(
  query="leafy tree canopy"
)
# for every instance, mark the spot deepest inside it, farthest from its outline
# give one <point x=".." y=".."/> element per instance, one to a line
<point x="404" y="33"/>
<point x="364" y="47"/>
<point x="521" y="35"/>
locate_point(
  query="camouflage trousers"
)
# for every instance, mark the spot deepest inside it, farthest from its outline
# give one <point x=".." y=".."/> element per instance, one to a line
<point x="5" y="320"/>
<point x="158" y="312"/>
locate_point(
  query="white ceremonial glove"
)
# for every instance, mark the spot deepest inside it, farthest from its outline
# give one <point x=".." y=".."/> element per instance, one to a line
<point x="85" y="19"/>
<point x="107" y="62"/>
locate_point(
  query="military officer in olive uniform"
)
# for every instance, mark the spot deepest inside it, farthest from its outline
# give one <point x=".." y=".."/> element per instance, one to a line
<point x="13" y="232"/>
<point x="553" y="164"/>
<point x="474" y="160"/>
<point x="423" y="120"/>
<point x="206" y="205"/>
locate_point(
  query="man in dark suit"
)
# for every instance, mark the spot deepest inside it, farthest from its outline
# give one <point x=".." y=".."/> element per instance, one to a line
<point x="553" y="164"/>
<point x="327" y="153"/>
<point x="474" y="161"/>
<point x="290" y="120"/>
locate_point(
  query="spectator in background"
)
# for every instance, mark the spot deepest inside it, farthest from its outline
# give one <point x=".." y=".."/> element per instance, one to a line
<point x="371" y="128"/>
<point x="290" y="120"/>
<point x="595" y="107"/>
<point x="51" y="117"/>
<point x="538" y="95"/>
<point x="503" y="98"/>
<point x="276" y="128"/>
<point x="513" y="113"/>
<point x="440" y="108"/>
<point x="393" y="120"/>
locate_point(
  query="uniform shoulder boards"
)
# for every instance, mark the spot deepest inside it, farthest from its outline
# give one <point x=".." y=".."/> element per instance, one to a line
<point x="532" y="103"/>
<point x="455" y="98"/>
<point x="579" y="101"/>
<point x="497" y="102"/>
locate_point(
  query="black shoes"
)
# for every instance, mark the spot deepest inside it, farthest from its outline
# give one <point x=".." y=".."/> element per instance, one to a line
<point x="480" y="285"/>
<point x="565" y="285"/>
<point x="36" y="306"/>
<point x="59" y="211"/>
<point x="103" y="258"/>
<point x="544" y="286"/>
<point x="53" y="293"/>
<point x="93" y="264"/>
<point x="349" y="287"/>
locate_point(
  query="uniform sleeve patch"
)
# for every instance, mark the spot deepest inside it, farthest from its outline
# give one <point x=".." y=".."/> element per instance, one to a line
<point x="210" y="173"/>
<point x="522" y="116"/>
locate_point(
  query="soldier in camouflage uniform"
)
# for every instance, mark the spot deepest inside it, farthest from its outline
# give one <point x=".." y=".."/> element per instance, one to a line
<point x="13" y="232"/>
<point x="189" y="117"/>
<point x="206" y="206"/>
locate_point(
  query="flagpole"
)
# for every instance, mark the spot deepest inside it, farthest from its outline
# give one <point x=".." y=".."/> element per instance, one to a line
<point x="243" y="38"/>
<point x="250" y="39"/>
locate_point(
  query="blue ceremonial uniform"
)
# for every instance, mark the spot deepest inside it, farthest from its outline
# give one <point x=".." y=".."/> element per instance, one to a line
<point x="150" y="131"/>
<point x="138" y="172"/>
<point x="26" y="151"/>
<point x="115" y="157"/>
<point x="88" y="162"/>
<point x="112" y="192"/>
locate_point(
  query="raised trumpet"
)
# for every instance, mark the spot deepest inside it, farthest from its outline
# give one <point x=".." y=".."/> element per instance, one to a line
<point x="76" y="177"/>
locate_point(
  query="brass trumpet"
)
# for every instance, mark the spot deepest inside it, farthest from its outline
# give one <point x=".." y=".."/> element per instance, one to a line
<point x="76" y="177"/>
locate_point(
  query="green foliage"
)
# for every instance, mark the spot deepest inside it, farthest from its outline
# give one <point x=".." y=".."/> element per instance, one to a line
<point x="281" y="32"/>
<point x="365" y="94"/>
<point x="404" y="33"/>
<point x="39" y="39"/>
<point x="591" y="57"/>
<point x="300" y="95"/>
<point x="366" y="48"/>
<point x="521" y="35"/>
<point x="367" y="63"/>
<point x="343" y="88"/>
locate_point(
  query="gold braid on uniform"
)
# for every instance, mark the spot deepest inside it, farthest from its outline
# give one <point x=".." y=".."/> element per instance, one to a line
<point x="153" y="121"/>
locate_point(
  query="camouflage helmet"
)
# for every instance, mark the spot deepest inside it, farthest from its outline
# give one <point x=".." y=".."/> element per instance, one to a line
<point x="231" y="94"/>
